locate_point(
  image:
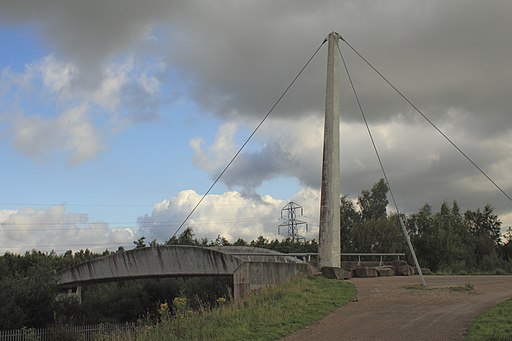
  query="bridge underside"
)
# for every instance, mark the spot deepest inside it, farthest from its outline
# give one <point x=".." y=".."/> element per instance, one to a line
<point x="249" y="272"/>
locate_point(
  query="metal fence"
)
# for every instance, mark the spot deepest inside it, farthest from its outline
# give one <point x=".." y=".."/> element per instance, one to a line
<point x="64" y="332"/>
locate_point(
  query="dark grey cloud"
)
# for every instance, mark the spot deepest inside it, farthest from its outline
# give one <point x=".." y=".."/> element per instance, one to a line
<point x="442" y="54"/>
<point x="86" y="32"/>
<point x="449" y="58"/>
<point x="236" y="58"/>
<point x="452" y="58"/>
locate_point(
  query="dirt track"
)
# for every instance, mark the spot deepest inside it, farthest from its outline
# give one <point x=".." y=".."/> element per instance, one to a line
<point x="385" y="310"/>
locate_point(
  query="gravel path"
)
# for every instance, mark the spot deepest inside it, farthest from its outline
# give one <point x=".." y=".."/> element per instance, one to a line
<point x="385" y="310"/>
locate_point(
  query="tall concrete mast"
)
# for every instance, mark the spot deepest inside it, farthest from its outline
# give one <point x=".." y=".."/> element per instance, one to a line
<point x="329" y="249"/>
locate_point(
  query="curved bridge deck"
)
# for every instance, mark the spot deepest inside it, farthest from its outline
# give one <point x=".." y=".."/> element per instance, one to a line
<point x="248" y="273"/>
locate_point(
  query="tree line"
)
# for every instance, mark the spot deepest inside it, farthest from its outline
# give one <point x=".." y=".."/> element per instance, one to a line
<point x="29" y="296"/>
<point x="446" y="240"/>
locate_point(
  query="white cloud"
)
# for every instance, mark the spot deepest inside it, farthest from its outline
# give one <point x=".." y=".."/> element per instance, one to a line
<point x="115" y="78"/>
<point x="422" y="167"/>
<point x="5" y="214"/>
<point x="150" y="84"/>
<point x="55" y="229"/>
<point x="81" y="138"/>
<point x="450" y="58"/>
<point x="71" y="132"/>
<point x="215" y="157"/>
<point x="230" y="215"/>
<point x="127" y="92"/>
<point x="57" y="75"/>
<point x="123" y="235"/>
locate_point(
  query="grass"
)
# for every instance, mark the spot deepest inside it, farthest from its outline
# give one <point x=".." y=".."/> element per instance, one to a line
<point x="468" y="287"/>
<point x="268" y="314"/>
<point x="494" y="324"/>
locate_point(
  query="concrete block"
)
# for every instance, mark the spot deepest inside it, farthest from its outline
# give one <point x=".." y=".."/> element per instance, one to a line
<point x="404" y="270"/>
<point x="365" y="272"/>
<point x="385" y="270"/>
<point x="426" y="271"/>
<point x="335" y="273"/>
<point x="254" y="275"/>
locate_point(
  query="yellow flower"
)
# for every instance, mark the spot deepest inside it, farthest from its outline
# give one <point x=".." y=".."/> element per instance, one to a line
<point x="221" y="301"/>
<point x="164" y="307"/>
<point x="179" y="303"/>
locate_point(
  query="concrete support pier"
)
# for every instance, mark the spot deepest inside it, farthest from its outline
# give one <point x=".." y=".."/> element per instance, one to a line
<point x="329" y="250"/>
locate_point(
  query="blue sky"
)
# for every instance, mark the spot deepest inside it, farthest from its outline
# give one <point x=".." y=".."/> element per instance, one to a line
<point x="115" y="120"/>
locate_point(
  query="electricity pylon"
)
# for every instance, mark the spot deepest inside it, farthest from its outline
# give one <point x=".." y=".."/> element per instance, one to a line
<point x="291" y="222"/>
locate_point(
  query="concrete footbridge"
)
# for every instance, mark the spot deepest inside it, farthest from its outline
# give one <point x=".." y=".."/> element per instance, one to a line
<point x="250" y="267"/>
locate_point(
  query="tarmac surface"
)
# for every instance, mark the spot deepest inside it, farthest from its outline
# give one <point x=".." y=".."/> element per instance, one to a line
<point x="386" y="310"/>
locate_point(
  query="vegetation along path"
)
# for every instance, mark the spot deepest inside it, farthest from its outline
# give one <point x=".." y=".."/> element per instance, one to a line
<point x="396" y="308"/>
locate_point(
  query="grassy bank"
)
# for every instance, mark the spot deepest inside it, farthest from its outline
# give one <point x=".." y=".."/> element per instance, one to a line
<point x="266" y="315"/>
<point x="494" y="324"/>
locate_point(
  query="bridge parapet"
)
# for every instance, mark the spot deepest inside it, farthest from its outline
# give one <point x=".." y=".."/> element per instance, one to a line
<point x="251" y="267"/>
<point x="257" y="254"/>
<point x="160" y="261"/>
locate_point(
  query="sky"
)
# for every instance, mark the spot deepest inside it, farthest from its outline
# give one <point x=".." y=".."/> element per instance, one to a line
<point x="116" y="117"/>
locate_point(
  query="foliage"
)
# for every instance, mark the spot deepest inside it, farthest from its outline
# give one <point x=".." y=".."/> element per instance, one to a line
<point x="367" y="228"/>
<point x="446" y="240"/>
<point x="373" y="203"/>
<point x="493" y="324"/>
<point x="267" y="315"/>
<point x="27" y="287"/>
<point x="468" y="287"/>
<point x="140" y="243"/>
<point x="30" y="297"/>
<point x="451" y="242"/>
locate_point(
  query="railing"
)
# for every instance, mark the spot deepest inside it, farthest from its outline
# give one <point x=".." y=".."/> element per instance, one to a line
<point x="380" y="255"/>
<point x="306" y="256"/>
<point x="86" y="333"/>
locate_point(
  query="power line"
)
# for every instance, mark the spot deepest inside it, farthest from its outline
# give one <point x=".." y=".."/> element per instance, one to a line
<point x="65" y="245"/>
<point x="118" y="205"/>
<point x="55" y="229"/>
<point x="225" y="220"/>
<point x="65" y="223"/>
<point x="250" y="136"/>
<point x="141" y="224"/>
<point x="72" y="205"/>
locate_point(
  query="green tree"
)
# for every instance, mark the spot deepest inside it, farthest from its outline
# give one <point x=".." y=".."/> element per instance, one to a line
<point x="260" y="242"/>
<point x="440" y="238"/>
<point x="373" y="203"/>
<point x="485" y="230"/>
<point x="349" y="219"/>
<point x="369" y="229"/>
<point x="506" y="249"/>
<point x="140" y="243"/>
<point x="220" y="241"/>
<point x="240" y="242"/>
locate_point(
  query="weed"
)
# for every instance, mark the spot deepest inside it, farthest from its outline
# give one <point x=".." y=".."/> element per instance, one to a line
<point x="467" y="287"/>
<point x="269" y="314"/>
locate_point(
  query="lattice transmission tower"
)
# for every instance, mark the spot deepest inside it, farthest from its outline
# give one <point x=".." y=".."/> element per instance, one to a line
<point x="289" y="212"/>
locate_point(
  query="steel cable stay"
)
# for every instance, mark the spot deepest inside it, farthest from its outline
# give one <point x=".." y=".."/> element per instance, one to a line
<point x="250" y="136"/>
<point x="404" y="230"/>
<point x="203" y="197"/>
<point x="401" y="94"/>
<point x="450" y="141"/>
